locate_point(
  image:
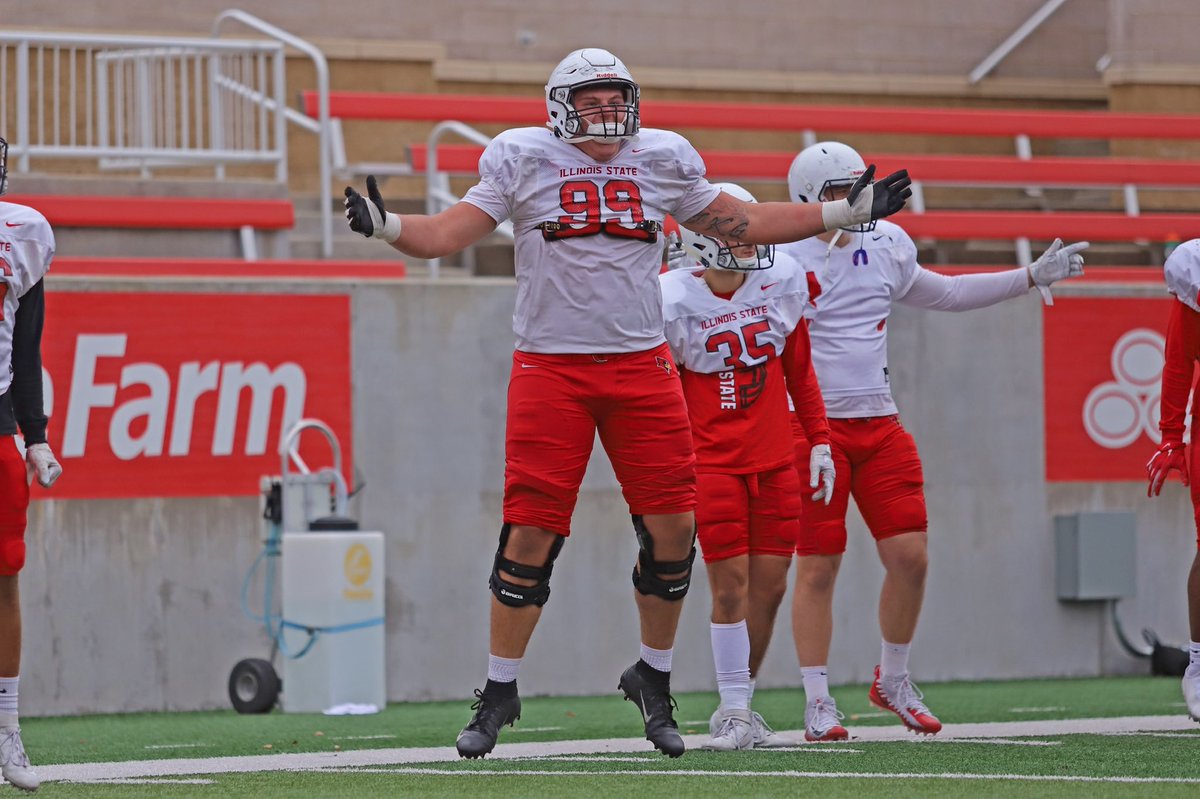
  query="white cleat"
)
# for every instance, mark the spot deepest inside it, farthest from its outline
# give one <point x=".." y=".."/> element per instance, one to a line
<point x="764" y="736"/>
<point x="14" y="765"/>
<point x="1191" y="694"/>
<point x="822" y="721"/>
<point x="731" y="730"/>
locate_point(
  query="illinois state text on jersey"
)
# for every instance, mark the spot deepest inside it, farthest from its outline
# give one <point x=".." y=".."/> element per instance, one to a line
<point x="733" y="355"/>
<point x="587" y="251"/>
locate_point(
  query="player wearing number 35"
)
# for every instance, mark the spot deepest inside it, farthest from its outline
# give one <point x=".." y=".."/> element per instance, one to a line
<point x="587" y="195"/>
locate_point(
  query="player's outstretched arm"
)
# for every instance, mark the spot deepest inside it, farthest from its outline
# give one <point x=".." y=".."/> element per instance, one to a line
<point x="1183" y="333"/>
<point x="732" y="219"/>
<point x="1056" y="263"/>
<point x="418" y="235"/>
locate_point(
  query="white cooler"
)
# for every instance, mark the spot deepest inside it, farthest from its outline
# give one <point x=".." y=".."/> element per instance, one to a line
<point x="333" y="580"/>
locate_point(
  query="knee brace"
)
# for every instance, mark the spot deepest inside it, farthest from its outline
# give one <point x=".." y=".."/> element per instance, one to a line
<point x="647" y="575"/>
<point x="517" y="596"/>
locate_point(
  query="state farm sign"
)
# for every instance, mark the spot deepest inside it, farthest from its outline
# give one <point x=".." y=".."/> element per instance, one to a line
<point x="1103" y="368"/>
<point x="188" y="394"/>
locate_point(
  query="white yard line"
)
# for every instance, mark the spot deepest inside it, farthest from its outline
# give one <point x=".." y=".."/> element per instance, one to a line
<point x="840" y="775"/>
<point x="174" y="746"/>
<point x="172" y="767"/>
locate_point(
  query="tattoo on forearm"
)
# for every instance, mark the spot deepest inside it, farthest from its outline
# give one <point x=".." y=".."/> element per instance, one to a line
<point x="723" y="218"/>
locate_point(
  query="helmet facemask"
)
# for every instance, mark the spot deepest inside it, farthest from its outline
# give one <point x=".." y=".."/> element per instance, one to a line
<point x="3" y="166"/>
<point x="607" y="123"/>
<point x="712" y="253"/>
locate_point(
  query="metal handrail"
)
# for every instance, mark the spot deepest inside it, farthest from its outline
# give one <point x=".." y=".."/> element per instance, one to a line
<point x="322" y="69"/>
<point x="83" y="98"/>
<point x="438" y="196"/>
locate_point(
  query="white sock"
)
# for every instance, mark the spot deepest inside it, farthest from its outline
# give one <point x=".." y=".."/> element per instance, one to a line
<point x="1193" y="658"/>
<point x="893" y="661"/>
<point x="503" y="669"/>
<point x="753" y="685"/>
<point x="816" y="681"/>
<point x="731" y="656"/>
<point x="659" y="659"/>
<point x="8" y="701"/>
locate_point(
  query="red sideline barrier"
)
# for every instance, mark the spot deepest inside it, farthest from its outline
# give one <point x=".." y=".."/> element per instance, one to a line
<point x="176" y="213"/>
<point x="225" y="267"/>
<point x="762" y="116"/>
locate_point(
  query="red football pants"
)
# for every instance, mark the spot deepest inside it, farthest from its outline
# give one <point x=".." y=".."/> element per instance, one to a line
<point x="556" y="406"/>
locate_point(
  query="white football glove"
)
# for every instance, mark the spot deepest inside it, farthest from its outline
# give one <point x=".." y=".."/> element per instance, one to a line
<point x="40" y="461"/>
<point x="1056" y="263"/>
<point x="821" y="472"/>
<point x="368" y="216"/>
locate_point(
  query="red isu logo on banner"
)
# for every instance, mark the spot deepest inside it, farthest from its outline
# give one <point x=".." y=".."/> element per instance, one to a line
<point x="187" y="394"/>
<point x="1103" y="367"/>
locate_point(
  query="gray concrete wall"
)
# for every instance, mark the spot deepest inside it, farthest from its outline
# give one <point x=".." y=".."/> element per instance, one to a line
<point x="133" y="605"/>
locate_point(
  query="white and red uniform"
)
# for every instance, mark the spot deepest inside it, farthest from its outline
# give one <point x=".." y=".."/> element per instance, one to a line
<point x="1182" y="271"/>
<point x="26" y="249"/>
<point x="876" y="458"/>
<point x="734" y="353"/>
<point x="590" y="353"/>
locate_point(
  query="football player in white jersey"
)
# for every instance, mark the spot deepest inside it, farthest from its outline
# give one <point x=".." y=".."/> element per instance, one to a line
<point x="862" y="269"/>
<point x="734" y="319"/>
<point x="26" y="249"/>
<point x="587" y="195"/>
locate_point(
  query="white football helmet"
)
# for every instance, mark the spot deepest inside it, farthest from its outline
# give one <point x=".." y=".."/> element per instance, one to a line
<point x="823" y="166"/>
<point x="714" y="253"/>
<point x="591" y="67"/>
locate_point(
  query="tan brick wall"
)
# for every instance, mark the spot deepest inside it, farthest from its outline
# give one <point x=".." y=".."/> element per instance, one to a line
<point x="922" y="37"/>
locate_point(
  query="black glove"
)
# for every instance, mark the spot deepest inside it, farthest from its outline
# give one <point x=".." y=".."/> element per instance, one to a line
<point x="368" y="216"/>
<point x="888" y="194"/>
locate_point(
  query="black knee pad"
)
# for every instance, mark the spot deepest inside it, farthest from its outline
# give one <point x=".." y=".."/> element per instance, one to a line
<point x="647" y="577"/>
<point x="518" y="596"/>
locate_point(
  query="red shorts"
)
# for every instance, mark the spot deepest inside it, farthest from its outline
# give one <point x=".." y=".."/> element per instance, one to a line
<point x="557" y="404"/>
<point x="14" y="502"/>
<point x="755" y="514"/>
<point x="877" y="463"/>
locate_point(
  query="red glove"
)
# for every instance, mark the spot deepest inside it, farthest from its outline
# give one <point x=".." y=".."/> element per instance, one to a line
<point x="1170" y="455"/>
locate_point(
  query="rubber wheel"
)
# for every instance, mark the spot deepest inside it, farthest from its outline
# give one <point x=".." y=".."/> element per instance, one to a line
<point x="253" y="686"/>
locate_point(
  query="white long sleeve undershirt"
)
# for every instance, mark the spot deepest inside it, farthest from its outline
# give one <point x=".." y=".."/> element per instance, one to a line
<point x="964" y="292"/>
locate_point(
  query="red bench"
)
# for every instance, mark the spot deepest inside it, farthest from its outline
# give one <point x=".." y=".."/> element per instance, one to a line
<point x="227" y="267"/>
<point x="962" y="225"/>
<point x="169" y="213"/>
<point x="1019" y="171"/>
<point x="944" y="169"/>
<point x="524" y="110"/>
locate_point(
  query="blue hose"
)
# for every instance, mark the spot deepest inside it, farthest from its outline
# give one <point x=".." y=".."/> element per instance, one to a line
<point x="274" y="623"/>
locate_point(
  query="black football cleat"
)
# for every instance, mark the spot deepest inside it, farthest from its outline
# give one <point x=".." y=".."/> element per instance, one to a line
<point x="643" y="686"/>
<point x="491" y="713"/>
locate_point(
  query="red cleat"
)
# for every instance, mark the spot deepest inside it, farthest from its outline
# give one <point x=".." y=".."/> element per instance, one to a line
<point x="904" y="699"/>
